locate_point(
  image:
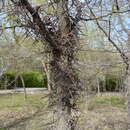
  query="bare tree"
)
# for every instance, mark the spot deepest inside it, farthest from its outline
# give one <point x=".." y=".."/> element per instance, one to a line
<point x="58" y="30"/>
<point x="127" y="31"/>
<point x="116" y="8"/>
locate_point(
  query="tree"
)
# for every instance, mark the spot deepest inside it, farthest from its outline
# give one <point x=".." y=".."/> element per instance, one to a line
<point x="127" y="31"/>
<point x="56" y="26"/>
<point x="62" y="41"/>
<point x="117" y="36"/>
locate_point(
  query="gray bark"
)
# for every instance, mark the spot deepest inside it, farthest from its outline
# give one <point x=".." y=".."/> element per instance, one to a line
<point x="64" y="120"/>
<point x="128" y="75"/>
<point x="62" y="70"/>
<point x="128" y="89"/>
<point x="128" y="83"/>
<point x="62" y="85"/>
<point x="98" y="86"/>
<point x="62" y="45"/>
<point x="47" y="71"/>
<point x="22" y="80"/>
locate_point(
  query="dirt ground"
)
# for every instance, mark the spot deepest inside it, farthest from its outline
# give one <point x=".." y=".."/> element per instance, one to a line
<point x="99" y="113"/>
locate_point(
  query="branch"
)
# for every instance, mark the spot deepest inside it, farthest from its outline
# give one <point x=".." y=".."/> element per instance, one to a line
<point x="124" y="57"/>
<point x="41" y="28"/>
<point x="12" y="27"/>
<point x="36" y="18"/>
<point x="103" y="16"/>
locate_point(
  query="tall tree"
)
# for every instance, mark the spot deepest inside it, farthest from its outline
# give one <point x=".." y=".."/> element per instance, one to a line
<point x="125" y="29"/>
<point x="55" y="24"/>
<point x="59" y="31"/>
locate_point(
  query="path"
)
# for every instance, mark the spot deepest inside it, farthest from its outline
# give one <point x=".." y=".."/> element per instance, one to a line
<point x="21" y="90"/>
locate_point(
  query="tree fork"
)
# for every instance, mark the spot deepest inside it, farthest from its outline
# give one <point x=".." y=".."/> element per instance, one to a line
<point x="63" y="44"/>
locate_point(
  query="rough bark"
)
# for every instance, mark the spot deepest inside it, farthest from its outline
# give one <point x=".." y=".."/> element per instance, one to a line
<point x="128" y="83"/>
<point x="62" y="70"/>
<point x="62" y="44"/>
<point x="128" y="89"/>
<point x="98" y="86"/>
<point x="23" y="84"/>
<point x="47" y="72"/>
<point x="63" y="89"/>
<point x="65" y="120"/>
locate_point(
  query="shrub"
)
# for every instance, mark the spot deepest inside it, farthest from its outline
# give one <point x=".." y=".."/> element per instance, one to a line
<point x="111" y="83"/>
<point x="7" y="80"/>
<point x="31" y="79"/>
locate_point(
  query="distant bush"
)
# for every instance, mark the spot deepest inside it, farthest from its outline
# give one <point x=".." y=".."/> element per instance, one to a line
<point x="111" y="83"/>
<point x="31" y="80"/>
<point x="7" y="80"/>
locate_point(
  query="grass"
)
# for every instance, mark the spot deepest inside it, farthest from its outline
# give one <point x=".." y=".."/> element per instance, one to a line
<point x="104" y="113"/>
<point x="112" y="100"/>
<point x="101" y="102"/>
<point x="18" y="100"/>
<point x="14" y="107"/>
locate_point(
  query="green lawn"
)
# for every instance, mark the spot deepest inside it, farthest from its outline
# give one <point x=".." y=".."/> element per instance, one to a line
<point x="14" y="108"/>
<point x="19" y="101"/>
<point x="113" y="100"/>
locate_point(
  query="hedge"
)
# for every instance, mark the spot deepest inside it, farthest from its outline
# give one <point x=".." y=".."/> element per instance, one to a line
<point x="38" y="80"/>
<point x="112" y="83"/>
<point x="31" y="80"/>
<point x="7" y="80"/>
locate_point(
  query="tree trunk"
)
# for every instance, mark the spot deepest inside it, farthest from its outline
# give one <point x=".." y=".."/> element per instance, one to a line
<point x="128" y="89"/>
<point x="46" y="70"/>
<point x="104" y="83"/>
<point x="64" y="90"/>
<point x="62" y="44"/>
<point x="128" y="75"/>
<point x="64" y="120"/>
<point x="64" y="79"/>
<point x="128" y="82"/>
<point x="98" y="86"/>
<point x="23" y="84"/>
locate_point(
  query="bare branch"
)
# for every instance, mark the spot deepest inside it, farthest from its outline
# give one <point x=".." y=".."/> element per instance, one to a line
<point x="104" y="16"/>
<point x="124" y="57"/>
